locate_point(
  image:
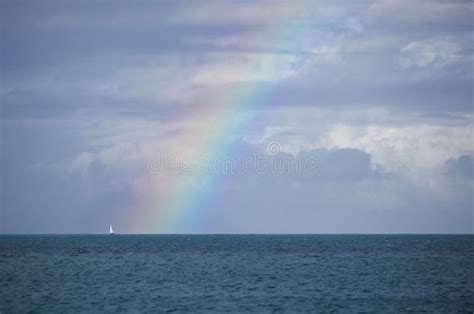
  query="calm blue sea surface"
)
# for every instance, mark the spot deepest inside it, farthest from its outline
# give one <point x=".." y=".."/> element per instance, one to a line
<point x="219" y="273"/>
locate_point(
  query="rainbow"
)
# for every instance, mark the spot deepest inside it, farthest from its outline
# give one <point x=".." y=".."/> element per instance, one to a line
<point x="172" y="203"/>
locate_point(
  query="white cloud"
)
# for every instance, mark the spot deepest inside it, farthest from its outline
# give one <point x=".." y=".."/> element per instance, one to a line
<point x="429" y="53"/>
<point x="398" y="142"/>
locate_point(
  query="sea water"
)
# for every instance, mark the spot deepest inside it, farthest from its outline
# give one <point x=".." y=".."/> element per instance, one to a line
<point x="257" y="273"/>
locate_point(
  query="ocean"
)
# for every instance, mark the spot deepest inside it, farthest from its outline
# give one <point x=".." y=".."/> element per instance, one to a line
<point x="236" y="273"/>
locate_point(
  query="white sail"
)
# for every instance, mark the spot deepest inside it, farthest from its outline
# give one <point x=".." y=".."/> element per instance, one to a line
<point x="111" y="231"/>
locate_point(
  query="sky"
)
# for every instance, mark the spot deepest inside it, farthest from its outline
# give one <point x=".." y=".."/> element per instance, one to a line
<point x="180" y="116"/>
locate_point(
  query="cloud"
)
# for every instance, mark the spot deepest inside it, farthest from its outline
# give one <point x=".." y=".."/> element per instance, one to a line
<point x="341" y="164"/>
<point x="346" y="186"/>
<point x="423" y="11"/>
<point x="429" y="53"/>
<point x="379" y="93"/>
<point x="462" y="166"/>
<point x="60" y="21"/>
<point x="241" y="13"/>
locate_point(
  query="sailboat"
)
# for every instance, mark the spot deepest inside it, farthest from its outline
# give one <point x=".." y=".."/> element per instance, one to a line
<point x="111" y="231"/>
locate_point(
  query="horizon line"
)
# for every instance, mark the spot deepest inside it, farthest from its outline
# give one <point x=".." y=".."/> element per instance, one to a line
<point x="197" y="234"/>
